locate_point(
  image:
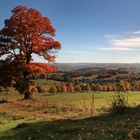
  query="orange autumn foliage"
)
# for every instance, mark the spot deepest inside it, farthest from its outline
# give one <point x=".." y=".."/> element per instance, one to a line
<point x="26" y="33"/>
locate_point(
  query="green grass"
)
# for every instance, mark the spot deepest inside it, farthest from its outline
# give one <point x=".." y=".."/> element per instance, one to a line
<point x="101" y="127"/>
<point x="45" y="82"/>
<point x="104" y="127"/>
<point x="100" y="98"/>
<point x="8" y="121"/>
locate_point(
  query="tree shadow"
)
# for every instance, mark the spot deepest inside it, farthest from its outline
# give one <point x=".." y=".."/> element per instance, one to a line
<point x="106" y="126"/>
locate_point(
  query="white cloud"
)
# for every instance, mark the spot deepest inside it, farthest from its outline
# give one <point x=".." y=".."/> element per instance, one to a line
<point x="130" y="43"/>
<point x="117" y="49"/>
<point x="136" y="32"/>
<point x="126" y="42"/>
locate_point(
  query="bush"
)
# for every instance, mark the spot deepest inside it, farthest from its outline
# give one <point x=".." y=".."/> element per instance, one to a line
<point x="64" y="88"/>
<point x="59" y="89"/>
<point x="70" y="87"/>
<point x="119" y="104"/>
<point x="32" y="89"/>
<point x="78" y="88"/>
<point x="40" y="89"/>
<point x="53" y="90"/>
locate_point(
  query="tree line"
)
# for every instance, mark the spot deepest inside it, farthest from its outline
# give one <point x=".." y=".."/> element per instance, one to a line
<point x="71" y="87"/>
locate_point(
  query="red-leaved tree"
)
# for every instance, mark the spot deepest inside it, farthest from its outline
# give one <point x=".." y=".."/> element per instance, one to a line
<point x="26" y="33"/>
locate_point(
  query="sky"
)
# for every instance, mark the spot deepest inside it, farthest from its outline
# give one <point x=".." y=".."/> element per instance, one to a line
<point x="92" y="31"/>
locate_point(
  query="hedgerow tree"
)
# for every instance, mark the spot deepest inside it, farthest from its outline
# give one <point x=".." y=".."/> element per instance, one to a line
<point x="26" y="33"/>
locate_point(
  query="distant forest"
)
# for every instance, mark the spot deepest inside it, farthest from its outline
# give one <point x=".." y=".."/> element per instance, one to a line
<point x="93" y="79"/>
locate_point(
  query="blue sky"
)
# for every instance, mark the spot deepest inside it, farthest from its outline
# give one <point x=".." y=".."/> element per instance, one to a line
<point x="101" y="31"/>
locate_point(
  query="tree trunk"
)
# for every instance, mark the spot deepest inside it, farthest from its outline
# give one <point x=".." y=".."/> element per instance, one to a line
<point x="27" y="93"/>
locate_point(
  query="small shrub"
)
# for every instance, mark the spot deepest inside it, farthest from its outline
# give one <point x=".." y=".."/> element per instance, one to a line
<point x="78" y="88"/>
<point x="40" y="89"/>
<point x="32" y="89"/>
<point x="119" y="104"/>
<point x="59" y="89"/>
<point x="70" y="87"/>
<point x="53" y="90"/>
<point x="64" y="88"/>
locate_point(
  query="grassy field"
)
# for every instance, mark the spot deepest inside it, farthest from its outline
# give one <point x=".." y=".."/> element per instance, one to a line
<point x="68" y="116"/>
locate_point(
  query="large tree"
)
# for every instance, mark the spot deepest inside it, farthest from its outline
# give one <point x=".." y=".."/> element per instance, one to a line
<point x="26" y="33"/>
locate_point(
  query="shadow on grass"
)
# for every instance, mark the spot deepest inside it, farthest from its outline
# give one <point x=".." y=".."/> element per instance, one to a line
<point x="104" y="127"/>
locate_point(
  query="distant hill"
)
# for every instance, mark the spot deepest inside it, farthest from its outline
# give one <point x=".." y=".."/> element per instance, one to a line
<point x="77" y="66"/>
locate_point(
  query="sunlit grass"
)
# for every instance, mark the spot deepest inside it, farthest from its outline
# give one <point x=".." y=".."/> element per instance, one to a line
<point x="99" y="127"/>
<point x="101" y="99"/>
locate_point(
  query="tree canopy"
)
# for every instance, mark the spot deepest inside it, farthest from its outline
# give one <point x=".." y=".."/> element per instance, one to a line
<point x="25" y="34"/>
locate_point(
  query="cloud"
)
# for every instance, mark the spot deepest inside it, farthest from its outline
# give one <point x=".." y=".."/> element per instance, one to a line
<point x="126" y="42"/>
<point x="117" y="49"/>
<point x="136" y="32"/>
<point x="129" y="43"/>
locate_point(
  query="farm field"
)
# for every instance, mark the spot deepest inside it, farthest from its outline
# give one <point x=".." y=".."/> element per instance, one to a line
<point x="70" y="70"/>
<point x="71" y="116"/>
